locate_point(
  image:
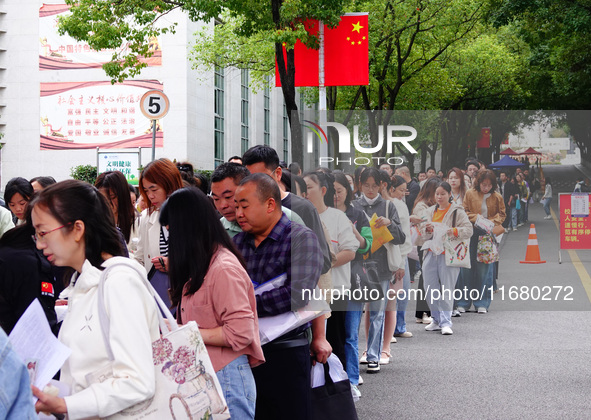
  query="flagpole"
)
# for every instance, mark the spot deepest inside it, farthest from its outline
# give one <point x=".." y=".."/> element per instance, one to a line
<point x="321" y="87"/>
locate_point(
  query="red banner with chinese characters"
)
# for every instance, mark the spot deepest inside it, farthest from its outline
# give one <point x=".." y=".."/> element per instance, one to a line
<point x="346" y="54"/>
<point x="62" y="52"/>
<point x="575" y="232"/>
<point x="87" y="115"/>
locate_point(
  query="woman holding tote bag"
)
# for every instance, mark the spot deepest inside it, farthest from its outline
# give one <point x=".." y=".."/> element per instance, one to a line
<point x="438" y="276"/>
<point x="210" y="285"/>
<point x="74" y="227"/>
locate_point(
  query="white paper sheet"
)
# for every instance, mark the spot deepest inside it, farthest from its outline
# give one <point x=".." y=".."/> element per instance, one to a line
<point x="336" y="371"/>
<point x="274" y="283"/>
<point x="579" y="204"/>
<point x="35" y="344"/>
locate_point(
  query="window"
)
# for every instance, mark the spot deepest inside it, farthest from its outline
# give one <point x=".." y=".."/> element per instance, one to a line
<point x="244" y="110"/>
<point x="218" y="110"/>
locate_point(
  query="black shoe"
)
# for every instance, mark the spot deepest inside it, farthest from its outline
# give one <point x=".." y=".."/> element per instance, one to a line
<point x="373" y="367"/>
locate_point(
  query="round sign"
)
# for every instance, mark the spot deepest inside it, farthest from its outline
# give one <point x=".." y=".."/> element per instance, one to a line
<point x="154" y="104"/>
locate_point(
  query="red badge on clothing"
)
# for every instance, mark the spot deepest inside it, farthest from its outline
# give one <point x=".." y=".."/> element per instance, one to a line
<point x="47" y="288"/>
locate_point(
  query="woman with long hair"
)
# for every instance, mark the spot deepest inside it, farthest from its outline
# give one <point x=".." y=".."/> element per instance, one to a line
<point x="17" y="194"/>
<point x="114" y="187"/>
<point x="371" y="203"/>
<point x="482" y="199"/>
<point x="321" y="194"/>
<point x="398" y="193"/>
<point x="362" y="232"/>
<point x="158" y="180"/>
<point x="74" y="227"/>
<point x="209" y="282"/>
<point x="455" y="178"/>
<point x="438" y="276"/>
<point x="424" y="200"/>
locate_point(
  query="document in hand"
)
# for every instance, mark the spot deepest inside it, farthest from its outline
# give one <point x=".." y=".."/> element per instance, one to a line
<point x="272" y="327"/>
<point x="38" y="348"/>
<point x="381" y="235"/>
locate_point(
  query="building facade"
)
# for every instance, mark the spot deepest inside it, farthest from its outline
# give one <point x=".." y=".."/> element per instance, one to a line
<point x="57" y="105"/>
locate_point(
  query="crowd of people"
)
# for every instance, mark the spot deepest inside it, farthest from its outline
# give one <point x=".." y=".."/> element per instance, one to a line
<point x="206" y="245"/>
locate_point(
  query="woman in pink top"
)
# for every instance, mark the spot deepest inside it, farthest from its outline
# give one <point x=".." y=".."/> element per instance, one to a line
<point x="209" y="280"/>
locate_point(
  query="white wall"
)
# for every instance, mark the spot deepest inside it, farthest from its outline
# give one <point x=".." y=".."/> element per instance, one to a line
<point x="188" y="127"/>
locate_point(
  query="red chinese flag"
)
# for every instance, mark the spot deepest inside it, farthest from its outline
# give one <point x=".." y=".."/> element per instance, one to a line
<point x="306" y="60"/>
<point x="346" y="52"/>
<point x="484" y="142"/>
<point x="46" y="287"/>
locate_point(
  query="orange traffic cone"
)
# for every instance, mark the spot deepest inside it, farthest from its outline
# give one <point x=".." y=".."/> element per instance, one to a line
<point x="532" y="254"/>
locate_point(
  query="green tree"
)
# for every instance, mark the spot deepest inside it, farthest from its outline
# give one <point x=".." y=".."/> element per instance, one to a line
<point x="131" y="23"/>
<point x="558" y="33"/>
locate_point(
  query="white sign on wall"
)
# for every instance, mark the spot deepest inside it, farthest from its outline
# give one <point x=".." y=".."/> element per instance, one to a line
<point x="127" y="163"/>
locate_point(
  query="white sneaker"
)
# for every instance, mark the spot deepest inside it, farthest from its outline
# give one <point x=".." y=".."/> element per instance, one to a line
<point x="405" y="334"/>
<point x="455" y="313"/>
<point x="360" y="380"/>
<point x="481" y="310"/>
<point x="514" y="229"/>
<point x="363" y="358"/>
<point x="461" y="310"/>
<point x="519" y="224"/>
<point x="427" y="319"/>
<point x="433" y="327"/>
<point x="446" y="331"/>
<point x="393" y="340"/>
<point x="419" y="320"/>
<point x="355" y="392"/>
<point x="384" y="358"/>
<point x="548" y="217"/>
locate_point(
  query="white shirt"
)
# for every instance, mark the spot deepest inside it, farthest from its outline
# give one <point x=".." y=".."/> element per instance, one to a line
<point x="133" y="327"/>
<point x="342" y="238"/>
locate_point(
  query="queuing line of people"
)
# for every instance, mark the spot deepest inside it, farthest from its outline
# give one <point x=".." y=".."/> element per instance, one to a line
<point x="206" y="248"/>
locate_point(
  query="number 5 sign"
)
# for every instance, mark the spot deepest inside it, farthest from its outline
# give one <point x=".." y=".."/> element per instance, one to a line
<point x="154" y="104"/>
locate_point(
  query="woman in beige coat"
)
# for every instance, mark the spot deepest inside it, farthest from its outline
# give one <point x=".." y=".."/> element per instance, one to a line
<point x="483" y="200"/>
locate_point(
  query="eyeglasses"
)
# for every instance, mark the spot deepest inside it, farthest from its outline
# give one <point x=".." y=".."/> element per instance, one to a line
<point x="38" y="236"/>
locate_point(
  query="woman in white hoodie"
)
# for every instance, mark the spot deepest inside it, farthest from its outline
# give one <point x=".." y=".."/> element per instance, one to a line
<point x="74" y="227"/>
<point x="440" y="279"/>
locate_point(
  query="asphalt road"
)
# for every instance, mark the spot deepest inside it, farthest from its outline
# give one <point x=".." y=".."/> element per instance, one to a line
<point x="525" y="359"/>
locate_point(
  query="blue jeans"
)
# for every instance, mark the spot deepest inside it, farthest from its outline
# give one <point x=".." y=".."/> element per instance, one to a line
<point x="352" y="322"/>
<point x="375" y="335"/>
<point x="239" y="388"/>
<point x="401" y="304"/>
<point x="475" y="284"/>
<point x="546" y="202"/>
<point x="513" y="217"/>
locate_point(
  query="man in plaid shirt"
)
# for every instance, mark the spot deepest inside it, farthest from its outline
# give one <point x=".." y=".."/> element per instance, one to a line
<point x="272" y="246"/>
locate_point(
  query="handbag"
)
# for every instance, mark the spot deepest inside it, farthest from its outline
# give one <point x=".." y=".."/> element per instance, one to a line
<point x="333" y="400"/>
<point x="365" y="282"/>
<point x="161" y="284"/>
<point x="395" y="260"/>
<point x="457" y="251"/>
<point x="487" y="249"/>
<point x="186" y="383"/>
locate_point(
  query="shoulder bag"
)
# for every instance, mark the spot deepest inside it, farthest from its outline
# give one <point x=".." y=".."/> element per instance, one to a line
<point x="186" y="383"/>
<point x="457" y="251"/>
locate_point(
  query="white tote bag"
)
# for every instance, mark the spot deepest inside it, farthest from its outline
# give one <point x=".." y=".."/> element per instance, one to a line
<point x="186" y="384"/>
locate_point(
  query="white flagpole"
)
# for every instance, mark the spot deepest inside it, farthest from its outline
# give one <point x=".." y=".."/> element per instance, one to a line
<point x="321" y="88"/>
